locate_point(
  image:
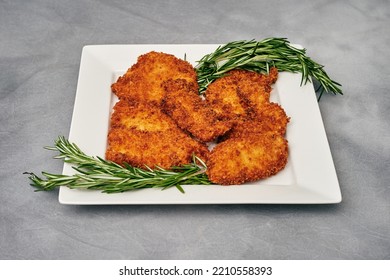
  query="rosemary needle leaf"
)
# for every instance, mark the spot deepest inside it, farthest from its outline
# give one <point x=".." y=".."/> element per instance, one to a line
<point x="259" y="56"/>
<point x="109" y="177"/>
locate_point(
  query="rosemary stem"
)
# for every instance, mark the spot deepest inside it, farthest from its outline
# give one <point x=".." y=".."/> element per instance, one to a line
<point x="259" y="56"/>
<point x="109" y="177"/>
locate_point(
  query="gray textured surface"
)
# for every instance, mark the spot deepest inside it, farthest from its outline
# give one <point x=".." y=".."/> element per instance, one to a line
<point x="40" y="50"/>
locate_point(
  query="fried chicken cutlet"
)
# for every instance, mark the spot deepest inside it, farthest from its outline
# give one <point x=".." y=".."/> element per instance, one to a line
<point x="239" y="93"/>
<point x="254" y="148"/>
<point x="248" y="158"/>
<point x="140" y="134"/>
<point x="142" y="82"/>
<point x="191" y="113"/>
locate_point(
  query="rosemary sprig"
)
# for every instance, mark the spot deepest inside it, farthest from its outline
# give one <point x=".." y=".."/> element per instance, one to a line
<point x="260" y="56"/>
<point x="109" y="177"/>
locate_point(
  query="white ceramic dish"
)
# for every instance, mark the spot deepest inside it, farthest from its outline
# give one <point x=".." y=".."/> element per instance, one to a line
<point x="308" y="178"/>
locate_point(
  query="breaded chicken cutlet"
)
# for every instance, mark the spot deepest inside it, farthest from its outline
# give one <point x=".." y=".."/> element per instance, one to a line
<point x="248" y="158"/>
<point x="141" y="135"/>
<point x="254" y="148"/>
<point x="240" y="93"/>
<point x="191" y="113"/>
<point x="142" y="82"/>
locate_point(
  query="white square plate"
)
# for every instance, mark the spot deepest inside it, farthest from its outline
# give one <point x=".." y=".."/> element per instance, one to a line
<point x="308" y="178"/>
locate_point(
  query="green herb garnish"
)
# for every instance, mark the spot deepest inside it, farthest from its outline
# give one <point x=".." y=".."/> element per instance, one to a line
<point x="260" y="56"/>
<point x="109" y="177"/>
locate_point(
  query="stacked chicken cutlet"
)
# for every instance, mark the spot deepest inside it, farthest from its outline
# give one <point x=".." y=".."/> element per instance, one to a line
<point x="161" y="120"/>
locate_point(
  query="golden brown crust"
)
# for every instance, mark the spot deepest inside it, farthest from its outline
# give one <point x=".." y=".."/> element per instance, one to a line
<point x="159" y="101"/>
<point x="192" y="114"/>
<point x="142" y="82"/>
<point x="272" y="118"/>
<point x="239" y="93"/>
<point x="248" y="158"/>
<point x="141" y="116"/>
<point x="140" y="134"/>
<point x="142" y="148"/>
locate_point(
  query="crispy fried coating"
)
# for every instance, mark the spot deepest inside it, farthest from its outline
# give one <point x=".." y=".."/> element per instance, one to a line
<point x="142" y="82"/>
<point x="191" y="113"/>
<point x="272" y="118"/>
<point x="248" y="158"/>
<point x="141" y="116"/>
<point x="140" y="134"/>
<point x="239" y="93"/>
<point x="159" y="107"/>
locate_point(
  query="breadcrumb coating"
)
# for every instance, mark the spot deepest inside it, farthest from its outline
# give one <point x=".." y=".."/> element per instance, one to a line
<point x="272" y="118"/>
<point x="240" y="93"/>
<point x="191" y="113"/>
<point x="143" y="81"/>
<point x="140" y="134"/>
<point x="248" y="158"/>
